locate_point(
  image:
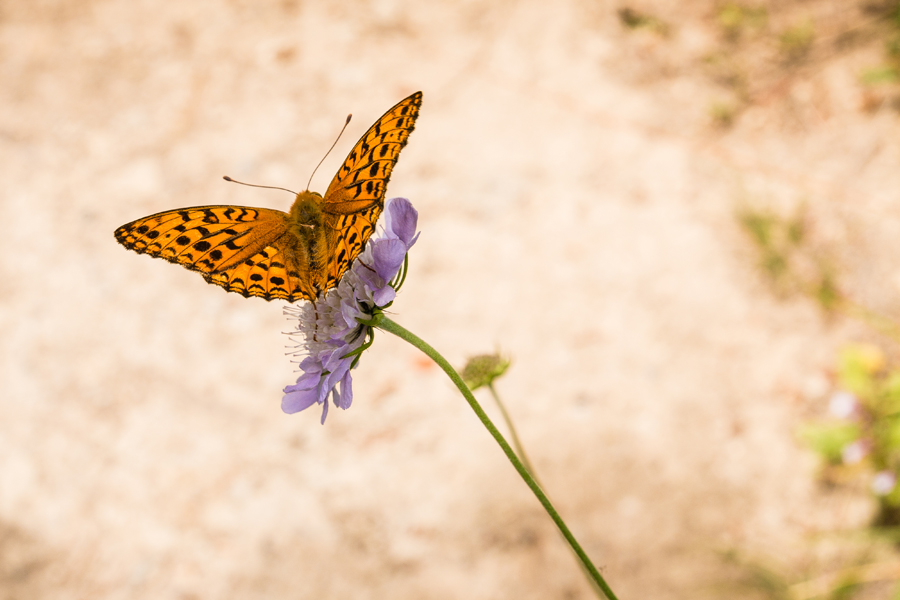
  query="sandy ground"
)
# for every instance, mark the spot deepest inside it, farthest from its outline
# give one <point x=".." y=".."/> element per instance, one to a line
<point x="577" y="211"/>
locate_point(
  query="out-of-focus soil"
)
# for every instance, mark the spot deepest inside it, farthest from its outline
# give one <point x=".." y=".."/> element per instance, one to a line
<point x="577" y="208"/>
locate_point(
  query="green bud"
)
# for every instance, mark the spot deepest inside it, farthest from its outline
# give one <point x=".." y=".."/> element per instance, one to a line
<point x="482" y="370"/>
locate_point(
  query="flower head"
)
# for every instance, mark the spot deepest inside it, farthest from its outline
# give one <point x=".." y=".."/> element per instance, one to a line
<point x="333" y="327"/>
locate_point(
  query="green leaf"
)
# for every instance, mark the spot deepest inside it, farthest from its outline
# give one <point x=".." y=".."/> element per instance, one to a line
<point x="828" y="440"/>
<point x="857" y="367"/>
<point x="883" y="74"/>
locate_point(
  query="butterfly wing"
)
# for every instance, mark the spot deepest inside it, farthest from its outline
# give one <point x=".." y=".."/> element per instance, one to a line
<point x="244" y="250"/>
<point x="270" y="273"/>
<point x="355" y="198"/>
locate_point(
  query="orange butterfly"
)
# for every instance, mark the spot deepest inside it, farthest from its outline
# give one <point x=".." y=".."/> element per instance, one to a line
<point x="294" y="255"/>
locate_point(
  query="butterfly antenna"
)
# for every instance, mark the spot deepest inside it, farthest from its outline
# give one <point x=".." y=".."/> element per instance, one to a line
<point x="347" y="122"/>
<point x="268" y="187"/>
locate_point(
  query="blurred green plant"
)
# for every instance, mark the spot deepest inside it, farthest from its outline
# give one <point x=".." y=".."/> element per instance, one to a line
<point x="634" y="19"/>
<point x="723" y="114"/>
<point x="881" y="82"/>
<point x="792" y="266"/>
<point x="735" y="19"/>
<point x="776" y="238"/>
<point x="867" y="568"/>
<point x="795" y="42"/>
<point x="727" y="71"/>
<point x="892" y="49"/>
<point x="861" y="436"/>
<point x="879" y="75"/>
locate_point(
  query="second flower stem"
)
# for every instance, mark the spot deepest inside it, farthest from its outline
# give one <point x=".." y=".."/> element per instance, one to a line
<point x="386" y="324"/>
<point x="520" y="451"/>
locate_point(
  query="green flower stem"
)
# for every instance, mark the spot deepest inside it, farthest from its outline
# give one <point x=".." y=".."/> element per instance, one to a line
<point x="386" y="324"/>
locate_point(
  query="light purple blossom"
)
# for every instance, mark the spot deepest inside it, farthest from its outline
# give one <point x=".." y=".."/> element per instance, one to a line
<point x="884" y="483"/>
<point x="843" y="405"/>
<point x="329" y="326"/>
<point x="854" y="452"/>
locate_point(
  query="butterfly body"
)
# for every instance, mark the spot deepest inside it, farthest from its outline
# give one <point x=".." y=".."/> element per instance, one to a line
<point x="272" y="254"/>
<point x="309" y="244"/>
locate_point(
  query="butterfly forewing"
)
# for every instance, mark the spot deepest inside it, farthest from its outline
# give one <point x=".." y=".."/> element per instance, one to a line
<point x="235" y="247"/>
<point x="364" y="176"/>
<point x="355" y="197"/>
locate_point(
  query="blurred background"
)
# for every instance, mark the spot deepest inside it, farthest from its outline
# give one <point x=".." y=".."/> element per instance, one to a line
<point x="681" y="220"/>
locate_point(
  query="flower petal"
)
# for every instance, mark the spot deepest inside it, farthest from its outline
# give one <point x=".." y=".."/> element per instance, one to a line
<point x="385" y="295"/>
<point x="387" y="256"/>
<point x="402" y="220"/>
<point x="346" y="391"/>
<point x="370" y="278"/>
<point x="297" y="398"/>
<point x="324" y="410"/>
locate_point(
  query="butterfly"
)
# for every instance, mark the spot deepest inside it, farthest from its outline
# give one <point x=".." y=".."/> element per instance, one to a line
<point x="294" y="255"/>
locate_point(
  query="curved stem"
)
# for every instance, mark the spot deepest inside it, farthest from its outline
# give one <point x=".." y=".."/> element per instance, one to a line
<point x="391" y="327"/>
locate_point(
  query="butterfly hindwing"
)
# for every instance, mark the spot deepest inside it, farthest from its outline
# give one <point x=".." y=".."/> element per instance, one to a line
<point x="269" y="274"/>
<point x="355" y="197"/>
<point x="348" y="236"/>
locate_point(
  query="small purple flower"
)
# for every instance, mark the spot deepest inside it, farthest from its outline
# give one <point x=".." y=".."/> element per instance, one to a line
<point x="854" y="452"/>
<point x="332" y="336"/>
<point x="843" y="405"/>
<point x="884" y="483"/>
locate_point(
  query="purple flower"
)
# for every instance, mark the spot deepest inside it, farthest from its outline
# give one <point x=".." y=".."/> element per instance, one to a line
<point x="884" y="483"/>
<point x="332" y="336"/>
<point x="854" y="452"/>
<point x="843" y="405"/>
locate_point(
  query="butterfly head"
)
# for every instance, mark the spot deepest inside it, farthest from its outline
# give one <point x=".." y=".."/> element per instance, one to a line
<point x="306" y="213"/>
